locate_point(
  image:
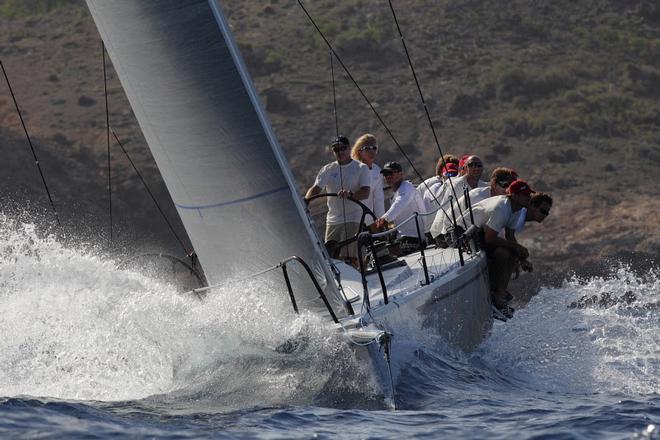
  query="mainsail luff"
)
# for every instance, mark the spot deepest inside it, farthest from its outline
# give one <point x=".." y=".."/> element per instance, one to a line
<point x="211" y="140"/>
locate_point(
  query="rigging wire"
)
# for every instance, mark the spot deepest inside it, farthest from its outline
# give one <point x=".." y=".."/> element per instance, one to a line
<point x="189" y="254"/>
<point x="34" y="154"/>
<point x="153" y="198"/>
<point x="107" y="135"/>
<point x="334" y="94"/>
<point x="421" y="97"/>
<point x="343" y="200"/>
<point x="341" y="177"/>
<point x="369" y="103"/>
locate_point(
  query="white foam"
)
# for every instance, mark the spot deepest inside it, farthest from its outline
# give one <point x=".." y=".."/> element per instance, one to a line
<point x="75" y="327"/>
<point x="614" y="350"/>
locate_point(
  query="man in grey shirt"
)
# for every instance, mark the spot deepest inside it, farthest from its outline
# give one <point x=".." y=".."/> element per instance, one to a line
<point x="349" y="179"/>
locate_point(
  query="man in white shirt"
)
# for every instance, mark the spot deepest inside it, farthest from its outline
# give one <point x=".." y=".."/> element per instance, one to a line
<point x="446" y="164"/>
<point x="405" y="202"/>
<point x="538" y="210"/>
<point x="432" y="188"/>
<point x="493" y="215"/>
<point x="500" y="179"/>
<point x="471" y="179"/>
<point x="347" y="178"/>
<point x="455" y="189"/>
<point x="539" y="207"/>
<point x="435" y="194"/>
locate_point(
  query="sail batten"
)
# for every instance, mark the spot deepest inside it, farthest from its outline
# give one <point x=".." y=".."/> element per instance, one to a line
<point x="211" y="139"/>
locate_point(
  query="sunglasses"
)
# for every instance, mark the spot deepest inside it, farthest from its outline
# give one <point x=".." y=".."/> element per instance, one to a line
<point x="544" y="211"/>
<point x="387" y="173"/>
<point x="475" y="165"/>
<point x="504" y="184"/>
<point x="339" y="147"/>
<point x="369" y="148"/>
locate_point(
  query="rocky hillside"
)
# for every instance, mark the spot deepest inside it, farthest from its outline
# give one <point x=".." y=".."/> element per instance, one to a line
<point x="564" y="92"/>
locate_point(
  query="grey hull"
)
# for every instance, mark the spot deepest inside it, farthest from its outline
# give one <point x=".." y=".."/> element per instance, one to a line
<point x="455" y="311"/>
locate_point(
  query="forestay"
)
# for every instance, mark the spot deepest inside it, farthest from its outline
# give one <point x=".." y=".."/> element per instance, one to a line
<point x="209" y="135"/>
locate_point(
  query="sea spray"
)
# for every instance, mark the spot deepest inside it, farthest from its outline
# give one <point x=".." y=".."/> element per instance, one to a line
<point x="597" y="335"/>
<point x="76" y="327"/>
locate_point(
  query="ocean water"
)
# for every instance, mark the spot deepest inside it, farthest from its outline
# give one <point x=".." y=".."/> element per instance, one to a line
<point x="87" y="350"/>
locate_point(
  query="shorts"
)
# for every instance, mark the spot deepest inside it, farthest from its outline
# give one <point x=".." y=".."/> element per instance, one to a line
<point x="488" y="249"/>
<point x="338" y="233"/>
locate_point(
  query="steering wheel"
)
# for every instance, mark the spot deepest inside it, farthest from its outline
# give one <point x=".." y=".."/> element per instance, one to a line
<point x="365" y="211"/>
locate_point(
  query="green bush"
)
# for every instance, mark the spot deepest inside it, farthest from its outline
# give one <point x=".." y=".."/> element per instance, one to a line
<point x="28" y="8"/>
<point x="358" y="40"/>
<point x="566" y="133"/>
<point x="644" y="114"/>
<point x="642" y="80"/>
<point x="604" y="113"/>
<point x="274" y="56"/>
<point x="649" y="10"/>
<point x="647" y="50"/>
<point x="520" y="126"/>
<point x="262" y="60"/>
<point x="573" y="96"/>
<point x="531" y="84"/>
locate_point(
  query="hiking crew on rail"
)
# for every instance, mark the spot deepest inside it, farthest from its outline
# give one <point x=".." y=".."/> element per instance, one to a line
<point x="498" y="209"/>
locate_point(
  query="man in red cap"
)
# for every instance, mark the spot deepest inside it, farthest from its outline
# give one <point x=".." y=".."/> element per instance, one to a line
<point x="439" y="193"/>
<point x="450" y="170"/>
<point x="493" y="215"/>
<point x="500" y="179"/>
<point x="447" y="160"/>
<point x="446" y="194"/>
<point x="462" y="169"/>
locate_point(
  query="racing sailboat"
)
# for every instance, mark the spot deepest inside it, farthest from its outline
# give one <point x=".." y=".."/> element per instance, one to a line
<point x="235" y="193"/>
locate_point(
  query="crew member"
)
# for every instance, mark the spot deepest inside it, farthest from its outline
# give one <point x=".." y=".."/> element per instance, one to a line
<point x="405" y="202"/>
<point x="452" y="190"/>
<point x="347" y="178"/>
<point x="471" y="179"/>
<point x="451" y="170"/>
<point x="439" y="176"/>
<point x="539" y="208"/>
<point x="500" y="179"/>
<point x="493" y="215"/>
<point x="365" y="150"/>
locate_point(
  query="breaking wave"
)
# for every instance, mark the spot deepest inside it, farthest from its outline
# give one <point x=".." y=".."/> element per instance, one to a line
<point x="597" y="335"/>
<point x="75" y="327"/>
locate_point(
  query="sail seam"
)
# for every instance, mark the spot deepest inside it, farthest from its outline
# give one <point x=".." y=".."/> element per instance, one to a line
<point x="234" y="202"/>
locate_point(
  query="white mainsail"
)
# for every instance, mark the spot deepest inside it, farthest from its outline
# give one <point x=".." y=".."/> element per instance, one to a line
<point x="202" y="119"/>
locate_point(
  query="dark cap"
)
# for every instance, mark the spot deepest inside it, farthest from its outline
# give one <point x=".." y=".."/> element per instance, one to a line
<point x="392" y="167"/>
<point x="519" y="187"/>
<point x="340" y="140"/>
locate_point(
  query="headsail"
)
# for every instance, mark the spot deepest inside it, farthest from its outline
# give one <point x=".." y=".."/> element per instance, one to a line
<point x="209" y="135"/>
